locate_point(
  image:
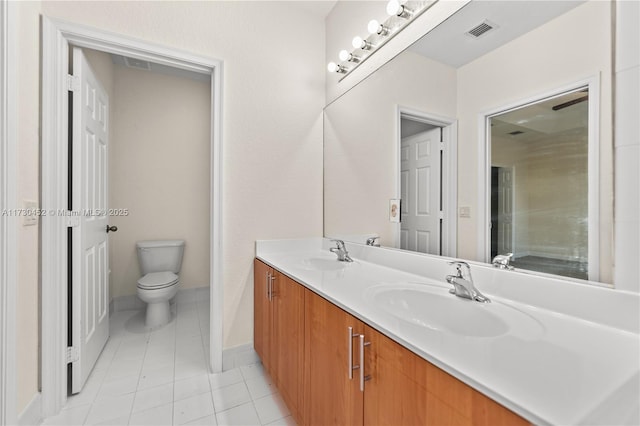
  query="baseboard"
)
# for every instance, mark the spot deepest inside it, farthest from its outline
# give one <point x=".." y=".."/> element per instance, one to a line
<point x="238" y="356"/>
<point x="32" y="414"/>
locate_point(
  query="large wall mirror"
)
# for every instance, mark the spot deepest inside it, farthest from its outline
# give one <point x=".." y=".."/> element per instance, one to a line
<point x="494" y="143"/>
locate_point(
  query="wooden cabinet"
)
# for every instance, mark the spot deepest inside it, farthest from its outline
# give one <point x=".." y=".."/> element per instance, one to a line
<point x="279" y="332"/>
<point x="405" y="389"/>
<point x="316" y="353"/>
<point x="331" y="397"/>
<point x="262" y="282"/>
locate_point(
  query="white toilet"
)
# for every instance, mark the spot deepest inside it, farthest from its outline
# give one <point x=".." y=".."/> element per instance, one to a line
<point x="160" y="262"/>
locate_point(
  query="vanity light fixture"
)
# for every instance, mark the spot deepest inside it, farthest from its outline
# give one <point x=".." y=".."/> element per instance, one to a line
<point x="360" y="43"/>
<point x="376" y="27"/>
<point x="333" y="67"/>
<point x="345" y="55"/>
<point x="379" y="34"/>
<point x="395" y="7"/>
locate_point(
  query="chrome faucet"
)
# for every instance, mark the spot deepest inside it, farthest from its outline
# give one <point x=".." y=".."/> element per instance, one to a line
<point x="463" y="283"/>
<point x="341" y="251"/>
<point x="373" y="241"/>
<point x="502" y="261"/>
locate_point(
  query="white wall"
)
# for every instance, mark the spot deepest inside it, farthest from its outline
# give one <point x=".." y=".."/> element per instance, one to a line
<point x="27" y="306"/>
<point x="496" y="79"/>
<point x="272" y="133"/>
<point x="627" y="145"/>
<point x="361" y="141"/>
<point x="159" y="171"/>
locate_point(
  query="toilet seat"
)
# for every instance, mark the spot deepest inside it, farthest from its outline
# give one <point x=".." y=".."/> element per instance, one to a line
<point x="157" y="280"/>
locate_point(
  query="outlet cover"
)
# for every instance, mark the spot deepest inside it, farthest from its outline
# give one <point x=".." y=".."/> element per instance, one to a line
<point x="394" y="210"/>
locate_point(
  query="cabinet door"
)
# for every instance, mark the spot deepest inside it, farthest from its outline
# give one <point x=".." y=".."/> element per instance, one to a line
<point x="330" y="397"/>
<point x="261" y="311"/>
<point x="287" y="353"/>
<point x="405" y="389"/>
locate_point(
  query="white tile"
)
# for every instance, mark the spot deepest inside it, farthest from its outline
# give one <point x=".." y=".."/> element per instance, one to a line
<point x="271" y="408"/>
<point x="155" y="377"/>
<point x="287" y="421"/>
<point x="112" y="408"/>
<point x="208" y="420"/>
<point x="627" y="105"/>
<point x="191" y="386"/>
<point x="68" y="417"/>
<point x="260" y="387"/>
<point x="226" y="378"/>
<point x="185" y="370"/>
<point x="162" y="415"/>
<point x="627" y="205"/>
<point x="252" y="371"/>
<point x="123" y="368"/>
<point x="230" y="396"/>
<point x="192" y="408"/>
<point x="117" y="387"/>
<point x="153" y="397"/>
<point x="120" y="421"/>
<point x="241" y="415"/>
<point x="627" y="34"/>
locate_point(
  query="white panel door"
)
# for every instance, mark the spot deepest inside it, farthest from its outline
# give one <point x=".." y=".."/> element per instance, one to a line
<point x="420" y="192"/>
<point x="90" y="291"/>
<point x="505" y="210"/>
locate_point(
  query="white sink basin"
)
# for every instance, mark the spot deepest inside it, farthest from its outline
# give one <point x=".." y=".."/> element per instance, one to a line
<point x="435" y="308"/>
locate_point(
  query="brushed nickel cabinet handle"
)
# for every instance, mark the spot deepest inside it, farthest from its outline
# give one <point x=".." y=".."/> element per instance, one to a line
<point x="350" y="366"/>
<point x="363" y="378"/>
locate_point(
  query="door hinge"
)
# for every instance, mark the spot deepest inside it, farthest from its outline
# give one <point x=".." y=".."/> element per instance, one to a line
<point x="73" y="83"/>
<point x="73" y="219"/>
<point x="73" y="354"/>
<point x="440" y="214"/>
<point x="442" y="146"/>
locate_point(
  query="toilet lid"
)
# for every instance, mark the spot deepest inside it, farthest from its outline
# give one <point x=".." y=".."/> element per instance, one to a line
<point x="157" y="280"/>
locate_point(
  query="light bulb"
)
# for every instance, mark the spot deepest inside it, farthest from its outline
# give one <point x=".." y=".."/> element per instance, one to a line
<point x="332" y="67"/>
<point x="376" y="27"/>
<point x="394" y="8"/>
<point x="358" y="42"/>
<point x="344" y="55"/>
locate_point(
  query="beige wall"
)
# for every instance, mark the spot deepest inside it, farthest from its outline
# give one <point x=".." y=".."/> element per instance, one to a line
<point x="159" y="157"/>
<point x="550" y="193"/>
<point x="360" y="136"/>
<point x="273" y="96"/>
<point x="496" y="79"/>
<point x="27" y="311"/>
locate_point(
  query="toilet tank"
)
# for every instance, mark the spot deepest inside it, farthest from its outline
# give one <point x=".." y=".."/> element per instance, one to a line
<point x="160" y="256"/>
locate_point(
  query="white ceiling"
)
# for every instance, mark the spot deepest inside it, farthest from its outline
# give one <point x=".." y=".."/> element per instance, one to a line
<point x="161" y="69"/>
<point x="449" y="44"/>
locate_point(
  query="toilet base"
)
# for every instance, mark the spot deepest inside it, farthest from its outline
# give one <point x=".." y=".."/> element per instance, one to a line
<point x="158" y="314"/>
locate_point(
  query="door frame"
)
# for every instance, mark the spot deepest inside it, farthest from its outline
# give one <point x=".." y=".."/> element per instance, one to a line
<point x="513" y="206"/>
<point x="449" y="183"/>
<point x="593" y="165"/>
<point x="57" y="36"/>
<point x="8" y="202"/>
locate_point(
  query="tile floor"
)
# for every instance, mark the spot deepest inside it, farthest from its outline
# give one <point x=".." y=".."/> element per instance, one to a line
<point x="161" y="377"/>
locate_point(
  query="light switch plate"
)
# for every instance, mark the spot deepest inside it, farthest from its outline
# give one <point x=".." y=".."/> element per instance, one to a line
<point x="30" y="213"/>
<point x="394" y="210"/>
<point x="465" y="211"/>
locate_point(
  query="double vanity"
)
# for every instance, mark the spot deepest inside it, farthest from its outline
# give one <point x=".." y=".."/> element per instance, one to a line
<point x="389" y="338"/>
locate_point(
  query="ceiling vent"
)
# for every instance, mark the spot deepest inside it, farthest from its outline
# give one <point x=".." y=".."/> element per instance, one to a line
<point x="137" y="63"/>
<point x="480" y="30"/>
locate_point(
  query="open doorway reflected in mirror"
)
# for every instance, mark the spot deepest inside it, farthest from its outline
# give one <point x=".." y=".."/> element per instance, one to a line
<point x="540" y="185"/>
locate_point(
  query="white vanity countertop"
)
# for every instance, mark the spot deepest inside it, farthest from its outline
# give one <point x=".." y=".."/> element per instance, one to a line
<point x="549" y="366"/>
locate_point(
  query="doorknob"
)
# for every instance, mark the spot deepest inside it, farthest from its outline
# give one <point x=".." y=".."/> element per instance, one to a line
<point x="111" y="228"/>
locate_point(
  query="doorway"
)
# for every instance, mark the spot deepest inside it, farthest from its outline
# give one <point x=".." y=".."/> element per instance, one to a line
<point x="427" y="183"/>
<point x="57" y="38"/>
